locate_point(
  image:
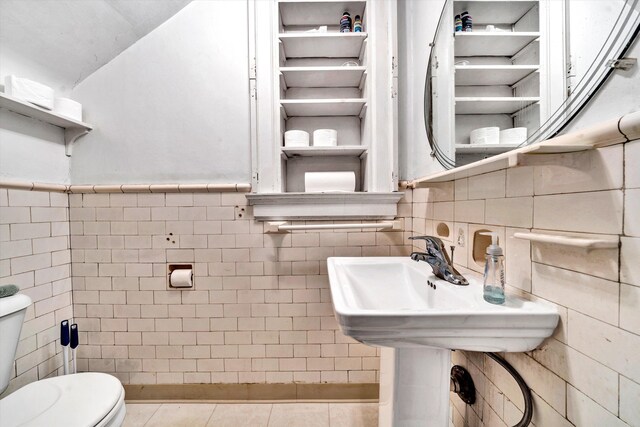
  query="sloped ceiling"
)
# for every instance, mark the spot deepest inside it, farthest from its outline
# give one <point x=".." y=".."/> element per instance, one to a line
<point x="76" y="37"/>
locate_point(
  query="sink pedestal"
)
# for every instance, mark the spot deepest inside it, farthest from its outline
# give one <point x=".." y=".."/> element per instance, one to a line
<point x="414" y="387"/>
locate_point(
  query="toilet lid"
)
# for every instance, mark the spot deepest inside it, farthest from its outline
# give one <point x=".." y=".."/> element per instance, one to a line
<point x="78" y="400"/>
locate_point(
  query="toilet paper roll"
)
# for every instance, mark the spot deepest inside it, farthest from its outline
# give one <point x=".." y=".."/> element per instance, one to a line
<point x="68" y="108"/>
<point x="30" y="91"/>
<point x="322" y="182"/>
<point x="325" y="138"/>
<point x="296" y="138"/>
<point x="182" y="278"/>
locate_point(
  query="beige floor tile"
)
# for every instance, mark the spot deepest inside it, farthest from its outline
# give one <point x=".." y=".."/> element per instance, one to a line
<point x="181" y="415"/>
<point x="139" y="413"/>
<point x="353" y="414"/>
<point x="245" y="415"/>
<point x="300" y="415"/>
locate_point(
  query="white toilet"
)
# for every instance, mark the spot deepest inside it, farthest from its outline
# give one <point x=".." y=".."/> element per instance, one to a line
<point x="88" y="399"/>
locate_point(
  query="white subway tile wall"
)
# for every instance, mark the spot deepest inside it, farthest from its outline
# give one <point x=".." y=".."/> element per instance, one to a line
<point x="260" y="310"/>
<point x="35" y="256"/>
<point x="588" y="373"/>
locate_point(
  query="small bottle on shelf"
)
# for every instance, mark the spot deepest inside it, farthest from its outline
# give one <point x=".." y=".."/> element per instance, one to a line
<point x="467" y="22"/>
<point x="345" y="23"/>
<point x="357" y="24"/>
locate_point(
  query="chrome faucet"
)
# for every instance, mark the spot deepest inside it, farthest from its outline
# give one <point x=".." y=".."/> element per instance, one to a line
<point x="437" y="257"/>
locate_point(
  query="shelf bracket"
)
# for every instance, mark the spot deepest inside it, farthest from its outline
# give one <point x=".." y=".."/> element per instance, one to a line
<point x="70" y="137"/>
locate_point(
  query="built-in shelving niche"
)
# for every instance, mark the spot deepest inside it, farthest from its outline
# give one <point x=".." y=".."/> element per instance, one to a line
<point x="323" y="85"/>
<point x="324" y="82"/>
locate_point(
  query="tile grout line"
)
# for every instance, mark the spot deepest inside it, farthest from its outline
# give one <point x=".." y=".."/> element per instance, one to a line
<point x="154" y="412"/>
<point x="211" y="414"/>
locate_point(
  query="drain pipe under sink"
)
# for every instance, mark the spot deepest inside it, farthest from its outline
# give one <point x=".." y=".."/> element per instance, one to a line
<point x="462" y="385"/>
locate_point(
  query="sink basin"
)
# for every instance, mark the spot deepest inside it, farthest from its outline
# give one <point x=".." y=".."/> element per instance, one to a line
<point x="387" y="302"/>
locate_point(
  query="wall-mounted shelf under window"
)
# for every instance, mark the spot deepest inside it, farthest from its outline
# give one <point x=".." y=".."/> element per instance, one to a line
<point x="73" y="129"/>
<point x="322" y="107"/>
<point x="323" y="76"/>
<point x="492" y="43"/>
<point x="341" y="150"/>
<point x="493" y="104"/>
<point x="322" y="45"/>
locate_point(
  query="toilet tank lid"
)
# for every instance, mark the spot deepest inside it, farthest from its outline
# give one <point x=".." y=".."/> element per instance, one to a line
<point x="13" y="303"/>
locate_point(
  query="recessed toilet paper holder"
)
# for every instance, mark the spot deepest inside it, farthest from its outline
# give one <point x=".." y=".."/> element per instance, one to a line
<point x="179" y="267"/>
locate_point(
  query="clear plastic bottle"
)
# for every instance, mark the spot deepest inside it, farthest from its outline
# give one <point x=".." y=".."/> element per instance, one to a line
<point x="345" y="22"/>
<point x="493" y="290"/>
<point x="357" y="24"/>
<point x="457" y="24"/>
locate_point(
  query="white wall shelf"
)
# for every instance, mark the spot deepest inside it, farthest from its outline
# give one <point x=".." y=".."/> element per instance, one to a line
<point x="73" y="129"/>
<point x="484" y="148"/>
<point x="322" y="45"/>
<point x="323" y="76"/>
<point x="488" y="75"/>
<point x="318" y="12"/>
<point x="492" y="105"/>
<point x="614" y="131"/>
<point x="340" y="150"/>
<point x="320" y="206"/>
<point x="492" y="43"/>
<point x="322" y="107"/>
<point x="579" y="242"/>
<point x="494" y="12"/>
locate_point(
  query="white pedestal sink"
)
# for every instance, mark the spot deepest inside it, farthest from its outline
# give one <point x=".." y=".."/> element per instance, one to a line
<point x="387" y="302"/>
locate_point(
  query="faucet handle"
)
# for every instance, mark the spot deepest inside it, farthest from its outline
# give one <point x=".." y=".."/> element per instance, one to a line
<point x="430" y="241"/>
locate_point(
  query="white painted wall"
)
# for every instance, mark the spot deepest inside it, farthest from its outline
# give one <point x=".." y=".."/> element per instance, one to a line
<point x="173" y="107"/>
<point x="31" y="150"/>
<point x="621" y="93"/>
<point x="417" y="23"/>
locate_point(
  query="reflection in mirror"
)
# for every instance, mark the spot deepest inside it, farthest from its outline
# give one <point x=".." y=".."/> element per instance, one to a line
<point x="508" y="73"/>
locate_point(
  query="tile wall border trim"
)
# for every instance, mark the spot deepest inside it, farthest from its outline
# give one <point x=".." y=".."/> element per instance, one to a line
<point x="252" y="392"/>
<point x="127" y="188"/>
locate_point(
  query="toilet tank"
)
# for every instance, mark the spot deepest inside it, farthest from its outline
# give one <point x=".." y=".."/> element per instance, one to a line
<point x="12" y="311"/>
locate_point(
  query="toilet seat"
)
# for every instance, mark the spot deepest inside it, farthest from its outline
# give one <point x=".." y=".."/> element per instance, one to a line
<point x="88" y="399"/>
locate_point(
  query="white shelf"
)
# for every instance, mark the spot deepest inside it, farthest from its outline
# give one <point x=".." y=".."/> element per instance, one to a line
<point x="318" y="12"/>
<point x="492" y="43"/>
<point x="73" y="129"/>
<point x="48" y="116"/>
<point x="340" y="150"/>
<point x="494" y="12"/>
<point x="320" y="206"/>
<point x="490" y="75"/>
<point x="579" y="242"/>
<point x="322" y="45"/>
<point x="484" y="148"/>
<point x="492" y="105"/>
<point x="323" y="76"/>
<point x="322" y="107"/>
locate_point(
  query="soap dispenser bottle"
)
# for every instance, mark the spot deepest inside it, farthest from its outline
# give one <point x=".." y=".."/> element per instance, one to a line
<point x="493" y="291"/>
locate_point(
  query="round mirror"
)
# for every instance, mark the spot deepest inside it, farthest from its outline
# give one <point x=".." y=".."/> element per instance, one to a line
<point x="503" y="74"/>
